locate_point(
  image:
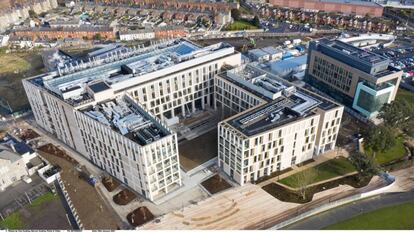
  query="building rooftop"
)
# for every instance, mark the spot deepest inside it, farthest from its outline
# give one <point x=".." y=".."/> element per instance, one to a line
<point x="82" y="28"/>
<point x="356" y="52"/>
<point x="155" y="29"/>
<point x="124" y="68"/>
<point x="366" y="61"/>
<point x="125" y="116"/>
<point x="272" y="51"/>
<point x="350" y="2"/>
<point x="353" y="2"/>
<point x="7" y="154"/>
<point x="99" y="87"/>
<point x="14" y="144"/>
<point x="281" y="65"/>
<point x="286" y="103"/>
<point x="108" y="49"/>
<point x="258" y="52"/>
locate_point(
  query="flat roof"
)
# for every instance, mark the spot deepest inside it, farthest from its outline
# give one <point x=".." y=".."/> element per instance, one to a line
<point x="258" y="52"/>
<point x="285" y="109"/>
<point x="286" y="103"/>
<point x="358" y="53"/>
<point x="354" y="2"/>
<point x="127" y="118"/>
<point x="289" y="63"/>
<point x="99" y="87"/>
<point x="271" y="50"/>
<point x="125" y="67"/>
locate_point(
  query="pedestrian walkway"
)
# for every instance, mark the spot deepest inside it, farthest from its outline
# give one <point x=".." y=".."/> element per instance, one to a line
<point x="318" y="160"/>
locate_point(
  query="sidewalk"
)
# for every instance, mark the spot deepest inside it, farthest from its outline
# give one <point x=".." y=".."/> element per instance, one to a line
<point x="46" y="136"/>
<point x="318" y="160"/>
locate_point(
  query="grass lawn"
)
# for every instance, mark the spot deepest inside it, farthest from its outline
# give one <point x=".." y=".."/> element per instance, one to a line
<point x="13" y="221"/>
<point x="44" y="198"/>
<point x="395" y="152"/>
<point x="325" y="171"/>
<point x="27" y="64"/>
<point x="16" y="219"/>
<point x="12" y="63"/>
<point x="399" y="217"/>
<point x="405" y="94"/>
<point x="240" y="25"/>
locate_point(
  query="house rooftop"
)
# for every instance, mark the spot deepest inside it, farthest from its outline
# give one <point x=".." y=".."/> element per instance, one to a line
<point x="7" y="154"/>
<point x="14" y="144"/>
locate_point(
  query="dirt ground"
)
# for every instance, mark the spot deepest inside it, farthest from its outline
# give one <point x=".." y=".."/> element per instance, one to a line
<point x="215" y="184"/>
<point x="124" y="197"/>
<point x="349" y="127"/>
<point x="140" y="216"/>
<point x="93" y="212"/>
<point x="28" y="134"/>
<point x="198" y="151"/>
<point x="51" y="215"/>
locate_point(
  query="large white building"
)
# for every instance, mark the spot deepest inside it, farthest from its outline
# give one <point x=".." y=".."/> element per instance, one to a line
<point x="274" y="125"/>
<point x="112" y="110"/>
<point x="144" y="34"/>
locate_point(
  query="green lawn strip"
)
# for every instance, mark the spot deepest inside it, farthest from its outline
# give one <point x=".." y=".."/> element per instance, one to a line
<point x="325" y="171"/>
<point x="13" y="221"/>
<point x="399" y="217"/>
<point x="42" y="199"/>
<point x="240" y="25"/>
<point x="395" y="152"/>
<point x="405" y="94"/>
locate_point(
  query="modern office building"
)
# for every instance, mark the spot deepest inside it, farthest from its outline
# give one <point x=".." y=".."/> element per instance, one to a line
<point x="356" y="78"/>
<point x="276" y="125"/>
<point x="113" y="109"/>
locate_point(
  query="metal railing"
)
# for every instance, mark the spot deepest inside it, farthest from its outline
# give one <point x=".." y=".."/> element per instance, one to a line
<point x="331" y="205"/>
<point x="75" y="215"/>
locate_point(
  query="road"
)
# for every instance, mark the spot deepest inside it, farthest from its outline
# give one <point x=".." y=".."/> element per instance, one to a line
<point x="348" y="211"/>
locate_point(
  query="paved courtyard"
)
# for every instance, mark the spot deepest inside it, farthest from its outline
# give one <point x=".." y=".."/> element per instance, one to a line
<point x="247" y="207"/>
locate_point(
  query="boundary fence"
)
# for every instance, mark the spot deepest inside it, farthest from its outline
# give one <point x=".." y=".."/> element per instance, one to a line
<point x="74" y="217"/>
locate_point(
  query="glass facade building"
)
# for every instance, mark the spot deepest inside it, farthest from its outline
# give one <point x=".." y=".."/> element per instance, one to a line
<point x="354" y="77"/>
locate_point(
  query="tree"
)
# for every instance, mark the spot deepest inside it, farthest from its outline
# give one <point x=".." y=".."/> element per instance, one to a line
<point x="303" y="179"/>
<point x="235" y="14"/>
<point x="205" y="22"/>
<point x="32" y="14"/>
<point x="397" y="114"/>
<point x="98" y="36"/>
<point x="380" y="138"/>
<point x="256" y="21"/>
<point x="365" y="165"/>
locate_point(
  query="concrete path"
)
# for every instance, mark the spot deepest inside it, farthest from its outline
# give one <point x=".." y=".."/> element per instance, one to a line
<point x="348" y="211"/>
<point x="318" y="160"/>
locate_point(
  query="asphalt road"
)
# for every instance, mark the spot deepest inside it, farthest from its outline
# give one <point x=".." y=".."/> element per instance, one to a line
<point x="348" y="211"/>
<point x="18" y="190"/>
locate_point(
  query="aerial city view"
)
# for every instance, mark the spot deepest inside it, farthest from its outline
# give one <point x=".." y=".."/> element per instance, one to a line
<point x="206" y="115"/>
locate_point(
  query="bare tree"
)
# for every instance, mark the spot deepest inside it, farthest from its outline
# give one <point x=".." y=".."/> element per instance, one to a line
<point x="303" y="179"/>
